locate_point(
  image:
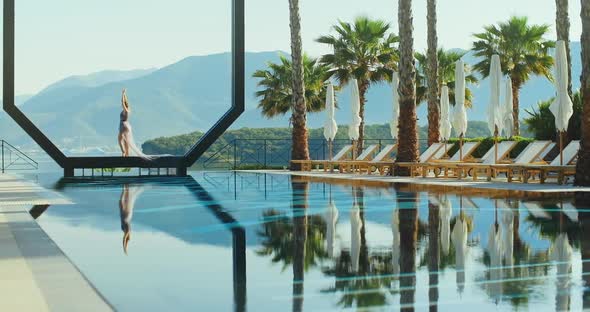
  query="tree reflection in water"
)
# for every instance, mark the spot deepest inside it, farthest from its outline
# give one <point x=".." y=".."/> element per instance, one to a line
<point x="407" y="203"/>
<point x="563" y="233"/>
<point x="296" y="241"/>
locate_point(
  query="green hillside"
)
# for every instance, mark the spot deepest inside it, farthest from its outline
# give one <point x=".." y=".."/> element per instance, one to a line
<point x="179" y="144"/>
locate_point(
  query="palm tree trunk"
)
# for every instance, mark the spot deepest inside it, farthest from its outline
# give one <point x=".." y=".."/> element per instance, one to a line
<point x="408" y="230"/>
<point x="516" y="85"/>
<point x="299" y="190"/>
<point x="363" y="87"/>
<point x="432" y="72"/>
<point x="562" y="23"/>
<point x="583" y="166"/>
<point x="408" y="142"/>
<point x="300" y="149"/>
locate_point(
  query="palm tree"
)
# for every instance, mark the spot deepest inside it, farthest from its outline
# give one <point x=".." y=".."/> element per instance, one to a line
<point x="523" y="52"/>
<point x="541" y="121"/>
<point x="583" y="167"/>
<point x="407" y="150"/>
<point x="300" y="148"/>
<point x="562" y="25"/>
<point x="432" y="73"/>
<point x="364" y="51"/>
<point x="446" y="75"/>
<point x="276" y="93"/>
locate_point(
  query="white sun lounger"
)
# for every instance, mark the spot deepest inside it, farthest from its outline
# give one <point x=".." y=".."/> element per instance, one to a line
<point x="570" y="154"/>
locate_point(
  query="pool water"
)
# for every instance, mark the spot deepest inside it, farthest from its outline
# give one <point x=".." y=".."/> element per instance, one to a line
<point x="223" y="241"/>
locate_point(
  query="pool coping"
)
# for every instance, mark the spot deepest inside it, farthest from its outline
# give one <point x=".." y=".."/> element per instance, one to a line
<point x="41" y="276"/>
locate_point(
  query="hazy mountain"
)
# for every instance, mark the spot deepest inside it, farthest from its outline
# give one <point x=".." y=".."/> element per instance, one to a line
<point x="193" y="93"/>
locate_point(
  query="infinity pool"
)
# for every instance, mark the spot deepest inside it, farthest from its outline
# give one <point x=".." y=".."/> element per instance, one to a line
<point x="261" y="242"/>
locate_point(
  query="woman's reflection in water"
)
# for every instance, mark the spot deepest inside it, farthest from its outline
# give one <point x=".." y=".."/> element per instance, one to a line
<point x="126" y="204"/>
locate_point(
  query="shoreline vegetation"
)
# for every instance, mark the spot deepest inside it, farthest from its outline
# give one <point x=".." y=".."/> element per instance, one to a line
<point x="179" y="144"/>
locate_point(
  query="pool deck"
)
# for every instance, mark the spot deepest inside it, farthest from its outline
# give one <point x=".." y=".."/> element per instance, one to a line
<point x="449" y="183"/>
<point x="36" y="274"/>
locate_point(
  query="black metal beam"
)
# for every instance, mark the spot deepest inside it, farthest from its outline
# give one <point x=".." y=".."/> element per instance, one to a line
<point x="181" y="163"/>
<point x="238" y="83"/>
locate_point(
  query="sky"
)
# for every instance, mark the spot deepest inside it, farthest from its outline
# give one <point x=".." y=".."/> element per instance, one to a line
<point x="60" y="38"/>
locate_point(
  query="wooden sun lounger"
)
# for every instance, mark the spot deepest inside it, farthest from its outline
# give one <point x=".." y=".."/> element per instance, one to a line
<point x="570" y="153"/>
<point x="306" y="165"/>
<point x="446" y="166"/>
<point x="350" y="165"/>
<point x="434" y="151"/>
<point x="504" y="149"/>
<point x="529" y="155"/>
<point x="382" y="162"/>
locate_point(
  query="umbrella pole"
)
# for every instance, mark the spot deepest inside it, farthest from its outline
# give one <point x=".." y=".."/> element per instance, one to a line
<point x="496" y="144"/>
<point x="330" y="152"/>
<point x="561" y="147"/>
<point x="353" y="149"/>
<point x="461" y="146"/>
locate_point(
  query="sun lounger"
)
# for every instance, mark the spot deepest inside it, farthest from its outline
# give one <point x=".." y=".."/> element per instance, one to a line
<point x="448" y="165"/>
<point x="350" y="165"/>
<point x="484" y="164"/>
<point x="434" y="151"/>
<point x="344" y="153"/>
<point x="547" y="151"/>
<point x="530" y="155"/>
<point x="382" y="162"/>
<point x="570" y="154"/>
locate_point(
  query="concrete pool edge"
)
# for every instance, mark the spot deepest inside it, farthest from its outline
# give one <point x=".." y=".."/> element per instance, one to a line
<point x="42" y="276"/>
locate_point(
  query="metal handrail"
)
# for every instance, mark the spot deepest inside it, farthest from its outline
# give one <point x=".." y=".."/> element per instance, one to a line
<point x="7" y="147"/>
<point x="269" y="152"/>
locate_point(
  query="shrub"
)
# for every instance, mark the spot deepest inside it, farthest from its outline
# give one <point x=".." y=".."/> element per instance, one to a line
<point x="488" y="142"/>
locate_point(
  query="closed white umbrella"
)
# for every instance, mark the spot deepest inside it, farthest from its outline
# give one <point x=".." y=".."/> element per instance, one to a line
<point x="355" y="106"/>
<point x="330" y="125"/>
<point x="445" y="117"/>
<point x="562" y="108"/>
<point x="395" y="106"/>
<point x="459" y="239"/>
<point x="331" y="217"/>
<point x="508" y="115"/>
<point x="355" y="236"/>
<point x="459" y="120"/>
<point x="495" y="110"/>
<point x="395" y="250"/>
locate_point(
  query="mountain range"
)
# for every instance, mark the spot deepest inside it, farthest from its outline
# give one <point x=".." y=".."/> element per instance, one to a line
<point x="192" y="94"/>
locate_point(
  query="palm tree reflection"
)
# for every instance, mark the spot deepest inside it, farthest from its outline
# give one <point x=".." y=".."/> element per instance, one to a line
<point x="362" y="277"/>
<point x="562" y="226"/>
<point x="434" y="226"/>
<point x="129" y="195"/>
<point x="296" y="241"/>
<point x="408" y="229"/>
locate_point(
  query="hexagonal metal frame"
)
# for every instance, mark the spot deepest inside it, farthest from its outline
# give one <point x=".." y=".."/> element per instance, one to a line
<point x="181" y="163"/>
